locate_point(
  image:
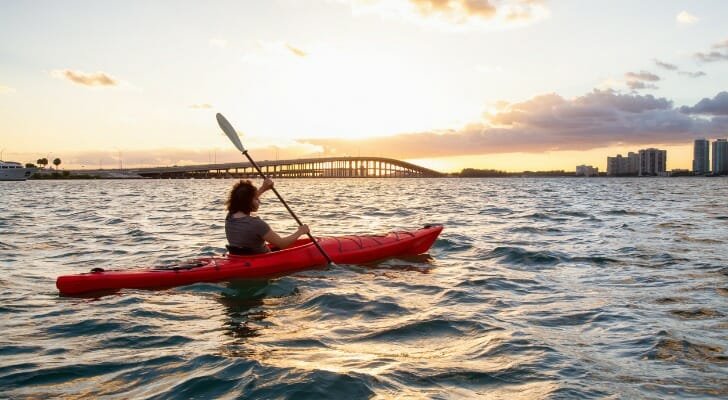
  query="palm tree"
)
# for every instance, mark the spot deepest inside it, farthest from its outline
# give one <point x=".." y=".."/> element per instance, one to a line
<point x="42" y="161"/>
<point x="57" y="162"/>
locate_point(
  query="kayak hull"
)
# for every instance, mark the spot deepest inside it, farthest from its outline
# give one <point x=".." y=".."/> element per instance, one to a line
<point x="301" y="255"/>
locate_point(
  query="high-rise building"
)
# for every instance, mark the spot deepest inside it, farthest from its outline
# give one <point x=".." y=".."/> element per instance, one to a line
<point x="652" y="162"/>
<point x="720" y="157"/>
<point x="622" y="166"/>
<point x="586" y="170"/>
<point x="701" y="164"/>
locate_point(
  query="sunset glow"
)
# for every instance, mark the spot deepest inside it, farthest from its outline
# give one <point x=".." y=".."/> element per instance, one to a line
<point x="503" y="84"/>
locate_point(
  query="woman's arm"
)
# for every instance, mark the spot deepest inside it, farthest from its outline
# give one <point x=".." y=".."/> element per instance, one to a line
<point x="283" y="242"/>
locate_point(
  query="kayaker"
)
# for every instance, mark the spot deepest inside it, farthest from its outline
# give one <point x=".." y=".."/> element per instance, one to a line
<point x="248" y="234"/>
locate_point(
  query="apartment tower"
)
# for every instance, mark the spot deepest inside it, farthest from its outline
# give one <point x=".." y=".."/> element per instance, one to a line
<point x="701" y="163"/>
<point x="623" y="166"/>
<point x="652" y="162"/>
<point x="720" y="157"/>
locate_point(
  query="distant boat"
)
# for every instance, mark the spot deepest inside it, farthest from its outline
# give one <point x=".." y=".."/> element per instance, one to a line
<point x="13" y="171"/>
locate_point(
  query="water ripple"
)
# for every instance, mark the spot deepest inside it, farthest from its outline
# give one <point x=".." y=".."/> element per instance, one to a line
<point x="537" y="288"/>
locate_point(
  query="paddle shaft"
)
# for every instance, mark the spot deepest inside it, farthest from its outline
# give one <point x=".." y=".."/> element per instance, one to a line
<point x="262" y="175"/>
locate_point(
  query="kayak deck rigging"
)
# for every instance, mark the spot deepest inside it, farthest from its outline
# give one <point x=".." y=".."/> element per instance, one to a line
<point x="359" y="240"/>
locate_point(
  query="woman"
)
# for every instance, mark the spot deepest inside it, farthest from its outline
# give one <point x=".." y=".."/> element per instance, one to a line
<point x="247" y="234"/>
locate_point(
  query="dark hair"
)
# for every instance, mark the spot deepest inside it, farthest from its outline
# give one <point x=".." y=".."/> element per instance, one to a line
<point x="241" y="197"/>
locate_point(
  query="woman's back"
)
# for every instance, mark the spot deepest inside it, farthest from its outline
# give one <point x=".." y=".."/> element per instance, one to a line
<point x="246" y="233"/>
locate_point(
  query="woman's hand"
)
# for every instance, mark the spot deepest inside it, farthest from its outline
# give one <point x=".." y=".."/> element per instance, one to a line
<point x="267" y="184"/>
<point x="283" y="242"/>
<point x="303" y="230"/>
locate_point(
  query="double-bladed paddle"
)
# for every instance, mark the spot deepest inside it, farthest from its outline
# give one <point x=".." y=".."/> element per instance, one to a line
<point x="233" y="136"/>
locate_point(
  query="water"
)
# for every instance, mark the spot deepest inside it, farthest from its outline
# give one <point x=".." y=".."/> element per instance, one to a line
<point x="537" y="288"/>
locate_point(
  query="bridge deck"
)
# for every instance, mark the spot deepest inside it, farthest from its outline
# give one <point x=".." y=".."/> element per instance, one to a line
<point x="330" y="167"/>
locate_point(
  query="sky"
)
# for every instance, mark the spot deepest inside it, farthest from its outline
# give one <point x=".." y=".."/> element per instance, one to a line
<point x="448" y="84"/>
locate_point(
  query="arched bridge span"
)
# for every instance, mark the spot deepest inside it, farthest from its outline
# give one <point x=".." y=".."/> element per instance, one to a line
<point x="327" y="167"/>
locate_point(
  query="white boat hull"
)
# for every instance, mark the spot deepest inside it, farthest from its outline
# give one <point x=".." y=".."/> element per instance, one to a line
<point x="14" y="172"/>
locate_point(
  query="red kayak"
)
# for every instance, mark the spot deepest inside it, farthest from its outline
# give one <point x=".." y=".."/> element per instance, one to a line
<point x="302" y="254"/>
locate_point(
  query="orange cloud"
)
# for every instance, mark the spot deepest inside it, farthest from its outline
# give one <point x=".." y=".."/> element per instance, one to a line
<point x="203" y="106"/>
<point x="459" y="14"/>
<point x="81" y="78"/>
<point x="481" y="8"/>
<point x="296" y="51"/>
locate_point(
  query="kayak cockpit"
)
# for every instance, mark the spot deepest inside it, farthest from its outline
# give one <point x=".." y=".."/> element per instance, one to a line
<point x="242" y="252"/>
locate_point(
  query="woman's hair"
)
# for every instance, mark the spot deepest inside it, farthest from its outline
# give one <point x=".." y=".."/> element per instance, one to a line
<point x="241" y="197"/>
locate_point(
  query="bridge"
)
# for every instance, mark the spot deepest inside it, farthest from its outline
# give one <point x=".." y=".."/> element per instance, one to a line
<point x="328" y="167"/>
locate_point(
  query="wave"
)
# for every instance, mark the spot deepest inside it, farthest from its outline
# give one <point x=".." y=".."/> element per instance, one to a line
<point x="418" y="329"/>
<point x="342" y="306"/>
<point x="520" y="256"/>
<point x="623" y="212"/>
<point x="523" y="295"/>
<point x="666" y="347"/>
<point x="697" y="313"/>
<point x="536" y="230"/>
<point x="503" y="284"/>
<point x="540" y="216"/>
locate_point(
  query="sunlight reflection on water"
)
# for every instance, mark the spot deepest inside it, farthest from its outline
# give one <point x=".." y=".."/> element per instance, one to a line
<point x="537" y="288"/>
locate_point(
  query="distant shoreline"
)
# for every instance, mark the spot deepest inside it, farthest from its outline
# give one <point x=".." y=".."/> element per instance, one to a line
<point x="116" y="175"/>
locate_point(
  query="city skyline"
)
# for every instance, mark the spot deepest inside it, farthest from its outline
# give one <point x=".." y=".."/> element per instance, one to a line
<point x="445" y="85"/>
<point x="618" y="164"/>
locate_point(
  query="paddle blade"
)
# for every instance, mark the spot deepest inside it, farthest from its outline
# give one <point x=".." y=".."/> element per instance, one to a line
<point x="230" y="132"/>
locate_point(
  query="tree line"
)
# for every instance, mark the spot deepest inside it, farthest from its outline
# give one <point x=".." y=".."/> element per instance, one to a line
<point x="43" y="162"/>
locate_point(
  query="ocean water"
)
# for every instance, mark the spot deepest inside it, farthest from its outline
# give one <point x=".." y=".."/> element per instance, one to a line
<point x="536" y="289"/>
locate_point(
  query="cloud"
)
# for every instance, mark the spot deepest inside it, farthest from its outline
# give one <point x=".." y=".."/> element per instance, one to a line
<point x="642" y="76"/>
<point x="296" y="51"/>
<point x="664" y="65"/>
<point x="6" y="90"/>
<point x="696" y="74"/>
<point x="720" y="54"/>
<point x="273" y="53"/>
<point x="673" y="67"/>
<point x="636" y="80"/>
<point x="460" y="14"/>
<point x="203" y="106"/>
<point x="685" y="18"/>
<point x="712" y="56"/>
<point x="637" y="85"/>
<point x="548" y="122"/>
<point x="82" y="78"/>
<point x="455" y="8"/>
<point x="718" y="105"/>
